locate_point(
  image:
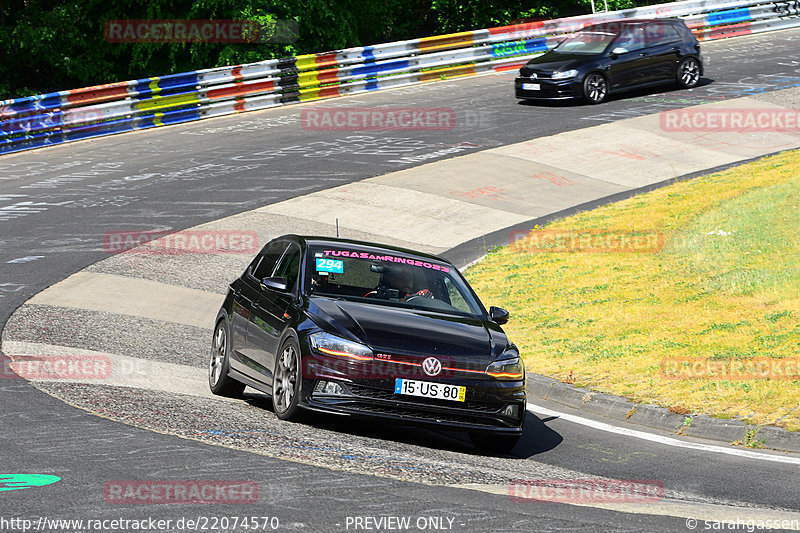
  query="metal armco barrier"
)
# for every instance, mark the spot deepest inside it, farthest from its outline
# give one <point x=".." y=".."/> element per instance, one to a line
<point x="65" y="116"/>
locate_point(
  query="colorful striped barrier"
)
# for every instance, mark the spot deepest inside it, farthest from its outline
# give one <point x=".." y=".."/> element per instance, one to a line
<point x="66" y="116"/>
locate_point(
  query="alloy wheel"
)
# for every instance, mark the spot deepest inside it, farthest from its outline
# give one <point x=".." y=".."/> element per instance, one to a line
<point x="689" y="72"/>
<point x="217" y="362"/>
<point x="286" y="378"/>
<point x="595" y="88"/>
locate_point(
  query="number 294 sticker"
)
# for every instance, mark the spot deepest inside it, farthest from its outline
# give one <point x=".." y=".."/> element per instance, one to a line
<point x="330" y="265"/>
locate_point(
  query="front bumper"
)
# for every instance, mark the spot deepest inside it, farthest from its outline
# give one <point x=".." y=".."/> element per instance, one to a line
<point x="369" y="392"/>
<point x="483" y="409"/>
<point x="548" y="89"/>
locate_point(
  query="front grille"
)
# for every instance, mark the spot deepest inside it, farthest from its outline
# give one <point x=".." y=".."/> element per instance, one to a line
<point x="534" y="74"/>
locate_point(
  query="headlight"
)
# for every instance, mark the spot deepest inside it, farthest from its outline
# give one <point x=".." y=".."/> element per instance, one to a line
<point x="564" y="74"/>
<point x="328" y="344"/>
<point x="507" y="369"/>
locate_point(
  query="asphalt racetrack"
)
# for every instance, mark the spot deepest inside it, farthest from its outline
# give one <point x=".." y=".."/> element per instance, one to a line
<point x="56" y="205"/>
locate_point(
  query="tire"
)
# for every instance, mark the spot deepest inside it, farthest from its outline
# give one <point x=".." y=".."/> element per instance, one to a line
<point x="688" y="73"/>
<point x="287" y="381"/>
<point x="491" y="443"/>
<point x="218" y="380"/>
<point x="595" y="88"/>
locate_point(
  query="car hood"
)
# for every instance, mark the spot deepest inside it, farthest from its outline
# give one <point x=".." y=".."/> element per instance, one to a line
<point x="411" y="332"/>
<point x="552" y="61"/>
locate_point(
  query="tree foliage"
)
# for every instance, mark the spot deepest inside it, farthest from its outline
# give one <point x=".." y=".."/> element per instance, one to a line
<point x="50" y="45"/>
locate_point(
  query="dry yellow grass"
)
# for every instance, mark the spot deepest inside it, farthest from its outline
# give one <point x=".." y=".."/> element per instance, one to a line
<point x="725" y="286"/>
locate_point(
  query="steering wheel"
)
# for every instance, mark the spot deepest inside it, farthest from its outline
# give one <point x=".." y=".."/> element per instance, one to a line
<point x="424" y="293"/>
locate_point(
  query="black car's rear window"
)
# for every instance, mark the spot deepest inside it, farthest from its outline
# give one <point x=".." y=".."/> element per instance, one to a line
<point x="387" y="277"/>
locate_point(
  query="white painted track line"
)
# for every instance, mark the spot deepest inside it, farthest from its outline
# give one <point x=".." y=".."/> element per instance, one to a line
<point x="662" y="439"/>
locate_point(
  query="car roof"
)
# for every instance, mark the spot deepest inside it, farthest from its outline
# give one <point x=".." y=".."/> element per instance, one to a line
<point x="314" y="240"/>
<point x="631" y="22"/>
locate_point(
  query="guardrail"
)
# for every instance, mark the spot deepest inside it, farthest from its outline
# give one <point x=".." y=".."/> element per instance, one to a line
<point x="77" y="114"/>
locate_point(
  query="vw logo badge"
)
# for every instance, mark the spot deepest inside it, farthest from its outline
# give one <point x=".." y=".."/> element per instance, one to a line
<point x="431" y="366"/>
<point x="534" y="75"/>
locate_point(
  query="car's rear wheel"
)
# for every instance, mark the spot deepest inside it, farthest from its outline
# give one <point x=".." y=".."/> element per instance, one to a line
<point x="492" y="443"/>
<point x="218" y="380"/>
<point x="688" y="72"/>
<point x="287" y="382"/>
<point x="595" y="88"/>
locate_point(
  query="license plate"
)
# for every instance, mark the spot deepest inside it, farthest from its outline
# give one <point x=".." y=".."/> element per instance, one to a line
<point x="531" y="86"/>
<point x="426" y="389"/>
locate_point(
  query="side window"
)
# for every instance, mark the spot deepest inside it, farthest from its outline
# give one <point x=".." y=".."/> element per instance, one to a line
<point x="631" y="38"/>
<point x="289" y="267"/>
<point x="269" y="258"/>
<point x="658" y="34"/>
<point x="456" y="299"/>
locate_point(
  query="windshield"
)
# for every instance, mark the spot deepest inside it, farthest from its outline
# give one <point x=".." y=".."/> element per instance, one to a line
<point x="391" y="278"/>
<point x="586" y="42"/>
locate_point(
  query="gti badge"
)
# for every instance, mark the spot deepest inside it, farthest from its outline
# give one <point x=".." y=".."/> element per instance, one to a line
<point x="431" y="366"/>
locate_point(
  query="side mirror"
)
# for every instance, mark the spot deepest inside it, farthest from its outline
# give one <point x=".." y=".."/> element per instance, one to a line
<point x="276" y="284"/>
<point x="498" y="315"/>
<point x="618" y="51"/>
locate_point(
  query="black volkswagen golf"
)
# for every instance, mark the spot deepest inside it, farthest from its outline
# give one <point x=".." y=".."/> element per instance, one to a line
<point x="613" y="57"/>
<point x="357" y="329"/>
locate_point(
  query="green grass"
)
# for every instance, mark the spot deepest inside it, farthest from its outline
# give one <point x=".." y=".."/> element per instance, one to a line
<point x="725" y="286"/>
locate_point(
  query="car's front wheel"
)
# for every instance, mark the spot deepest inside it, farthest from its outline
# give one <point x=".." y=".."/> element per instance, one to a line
<point x="218" y="380"/>
<point x="287" y="382"/>
<point x="491" y="443"/>
<point x="595" y="88"/>
<point x="688" y="72"/>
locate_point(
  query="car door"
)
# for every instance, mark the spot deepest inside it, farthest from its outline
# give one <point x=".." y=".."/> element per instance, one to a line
<point x="629" y="68"/>
<point x="247" y="290"/>
<point x="240" y="316"/>
<point x="270" y="311"/>
<point x="664" y="48"/>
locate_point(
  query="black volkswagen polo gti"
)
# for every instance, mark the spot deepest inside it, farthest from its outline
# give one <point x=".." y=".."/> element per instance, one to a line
<point x="352" y="328"/>
<point x="613" y="57"/>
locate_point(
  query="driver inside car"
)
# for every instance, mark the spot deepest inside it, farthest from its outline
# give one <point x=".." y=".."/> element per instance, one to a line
<point x="401" y="279"/>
